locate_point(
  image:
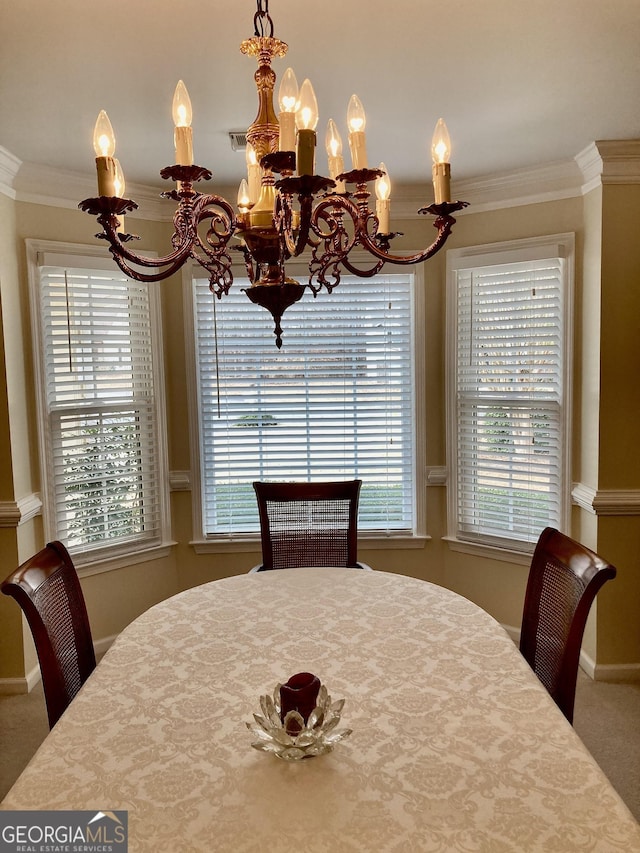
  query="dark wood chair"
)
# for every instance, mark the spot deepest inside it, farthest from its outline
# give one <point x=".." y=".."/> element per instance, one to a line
<point x="564" y="579"/>
<point x="308" y="524"/>
<point x="48" y="590"/>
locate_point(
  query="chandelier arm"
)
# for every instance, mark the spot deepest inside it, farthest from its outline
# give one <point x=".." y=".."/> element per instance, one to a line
<point x="123" y="258"/>
<point x="338" y="243"/>
<point x="374" y="270"/>
<point x="214" y="255"/>
<point x="166" y="266"/>
<point x="444" y="226"/>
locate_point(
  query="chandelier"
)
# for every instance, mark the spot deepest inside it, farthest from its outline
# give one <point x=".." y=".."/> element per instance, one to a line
<point x="284" y="208"/>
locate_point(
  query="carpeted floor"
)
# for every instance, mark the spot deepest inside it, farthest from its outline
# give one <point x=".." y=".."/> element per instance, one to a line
<point x="607" y="719"/>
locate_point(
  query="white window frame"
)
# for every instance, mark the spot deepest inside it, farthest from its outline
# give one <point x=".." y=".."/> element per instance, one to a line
<point x="220" y="543"/>
<point x="102" y="557"/>
<point x="515" y="251"/>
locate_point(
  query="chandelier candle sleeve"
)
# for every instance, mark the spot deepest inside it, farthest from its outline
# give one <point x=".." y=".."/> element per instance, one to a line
<point x="104" y="144"/>
<point x="306" y="122"/>
<point x="288" y="102"/>
<point x="182" y="117"/>
<point x="441" y="153"/>
<point x="356" y="122"/>
<point x="383" y="200"/>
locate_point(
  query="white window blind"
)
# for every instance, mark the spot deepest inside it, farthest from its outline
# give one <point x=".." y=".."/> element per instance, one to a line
<point x="103" y="465"/>
<point x="509" y="410"/>
<point x="336" y="402"/>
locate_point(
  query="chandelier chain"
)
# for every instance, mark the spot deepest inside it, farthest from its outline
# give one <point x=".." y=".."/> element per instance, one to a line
<point x="263" y="25"/>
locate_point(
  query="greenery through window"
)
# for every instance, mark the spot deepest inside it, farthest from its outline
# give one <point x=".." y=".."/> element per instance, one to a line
<point x="102" y="464"/>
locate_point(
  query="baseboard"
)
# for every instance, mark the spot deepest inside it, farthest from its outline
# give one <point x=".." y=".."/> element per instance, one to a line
<point x="595" y="671"/>
<point x="23" y="684"/>
<point x="26" y="683"/>
<point x="615" y="672"/>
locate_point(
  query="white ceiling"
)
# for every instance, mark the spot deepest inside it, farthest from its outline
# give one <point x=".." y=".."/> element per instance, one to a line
<point x="520" y="83"/>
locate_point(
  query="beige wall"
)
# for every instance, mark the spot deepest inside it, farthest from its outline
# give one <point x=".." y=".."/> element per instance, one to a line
<point x="115" y="598"/>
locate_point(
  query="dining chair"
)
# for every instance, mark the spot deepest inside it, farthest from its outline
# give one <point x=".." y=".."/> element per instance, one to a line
<point x="48" y="590"/>
<point x="308" y="524"/>
<point x="564" y="578"/>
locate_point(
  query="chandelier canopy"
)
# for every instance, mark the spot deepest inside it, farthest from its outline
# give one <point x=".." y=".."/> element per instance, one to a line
<point x="283" y="208"/>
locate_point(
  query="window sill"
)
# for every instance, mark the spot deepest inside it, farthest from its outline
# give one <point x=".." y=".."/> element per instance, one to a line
<point x="251" y="544"/>
<point x="121" y="560"/>
<point x="492" y="552"/>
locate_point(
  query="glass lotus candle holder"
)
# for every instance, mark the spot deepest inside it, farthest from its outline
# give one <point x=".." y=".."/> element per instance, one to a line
<point x="291" y="735"/>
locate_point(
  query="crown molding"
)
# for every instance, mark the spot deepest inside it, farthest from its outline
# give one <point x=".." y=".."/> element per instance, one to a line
<point x="534" y="185"/>
<point x="37" y="184"/>
<point x="9" y="167"/>
<point x="602" y="162"/>
<point x="609" y="162"/>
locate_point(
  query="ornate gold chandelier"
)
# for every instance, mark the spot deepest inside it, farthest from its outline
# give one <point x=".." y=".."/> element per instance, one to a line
<point x="284" y="208"/>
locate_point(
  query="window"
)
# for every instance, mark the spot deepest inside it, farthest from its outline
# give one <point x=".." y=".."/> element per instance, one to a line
<point x="509" y="308"/>
<point x="336" y="402"/>
<point x="102" y="436"/>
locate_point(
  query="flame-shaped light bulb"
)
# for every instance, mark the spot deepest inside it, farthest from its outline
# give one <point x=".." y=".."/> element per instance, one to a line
<point x="333" y="144"/>
<point x="254" y="173"/>
<point x="118" y="181"/>
<point x="181" y="108"/>
<point x="104" y="140"/>
<point x="288" y="102"/>
<point x="288" y="92"/>
<point x="333" y="141"/>
<point x="243" y="196"/>
<point x="383" y="184"/>
<point x="307" y="112"/>
<point x="356" y="118"/>
<point x="250" y="155"/>
<point x="441" y="143"/>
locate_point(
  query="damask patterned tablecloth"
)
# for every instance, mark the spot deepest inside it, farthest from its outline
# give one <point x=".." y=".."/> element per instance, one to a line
<point x="455" y="746"/>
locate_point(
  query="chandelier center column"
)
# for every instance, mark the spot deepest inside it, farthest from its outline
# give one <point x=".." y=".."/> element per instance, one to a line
<point x="263" y="133"/>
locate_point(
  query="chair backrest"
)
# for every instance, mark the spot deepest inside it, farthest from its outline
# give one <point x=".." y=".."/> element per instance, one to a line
<point x="308" y="524"/>
<point x="564" y="579"/>
<point x="48" y="590"/>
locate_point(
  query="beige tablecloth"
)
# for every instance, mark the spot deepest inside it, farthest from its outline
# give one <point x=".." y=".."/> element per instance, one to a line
<point x="455" y="744"/>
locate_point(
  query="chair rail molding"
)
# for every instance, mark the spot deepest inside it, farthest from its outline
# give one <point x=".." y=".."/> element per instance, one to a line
<point x="606" y="501"/>
<point x="15" y="513"/>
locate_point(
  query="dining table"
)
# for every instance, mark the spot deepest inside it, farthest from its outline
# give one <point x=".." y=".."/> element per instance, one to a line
<point x="455" y="745"/>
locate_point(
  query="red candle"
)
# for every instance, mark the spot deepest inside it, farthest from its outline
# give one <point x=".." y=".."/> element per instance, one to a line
<point x="299" y="694"/>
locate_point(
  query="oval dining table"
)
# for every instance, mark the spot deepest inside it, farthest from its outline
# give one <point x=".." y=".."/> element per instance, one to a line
<point x="455" y="744"/>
